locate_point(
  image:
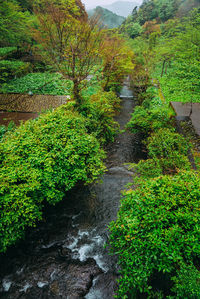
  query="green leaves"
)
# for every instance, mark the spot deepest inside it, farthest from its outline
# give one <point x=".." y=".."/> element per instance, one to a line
<point x="13" y="24"/>
<point x="99" y="111"/>
<point x="39" y="83"/>
<point x="6" y="51"/>
<point x="178" y="49"/>
<point x="169" y="150"/>
<point x="40" y="161"/>
<point x="4" y="129"/>
<point x="11" y="68"/>
<point x="158" y="227"/>
<point x="150" y="116"/>
<point x="181" y="83"/>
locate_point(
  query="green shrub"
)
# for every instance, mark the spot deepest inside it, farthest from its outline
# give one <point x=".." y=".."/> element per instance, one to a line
<point x="158" y="229"/>
<point x="11" y="68"/>
<point x="6" y="51"/>
<point x="39" y="83"/>
<point x="152" y="115"/>
<point x="4" y="129"/>
<point x="167" y="152"/>
<point x="169" y="149"/>
<point x="39" y="162"/>
<point x="99" y="111"/>
<point x="187" y="282"/>
<point x="149" y="117"/>
<point x="181" y="81"/>
<point x="146" y="169"/>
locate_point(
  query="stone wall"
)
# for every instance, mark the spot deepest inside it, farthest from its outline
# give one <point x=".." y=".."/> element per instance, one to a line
<point x="30" y="103"/>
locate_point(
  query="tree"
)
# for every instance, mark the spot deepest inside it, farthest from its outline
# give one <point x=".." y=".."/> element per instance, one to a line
<point x="13" y="24"/>
<point x="133" y="29"/>
<point x="150" y="27"/>
<point x="68" y="40"/>
<point x="117" y="61"/>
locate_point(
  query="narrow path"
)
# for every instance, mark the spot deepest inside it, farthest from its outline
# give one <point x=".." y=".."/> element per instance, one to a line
<point x="65" y="256"/>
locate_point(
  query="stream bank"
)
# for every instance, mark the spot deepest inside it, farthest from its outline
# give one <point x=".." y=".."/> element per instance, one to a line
<point x="65" y="256"/>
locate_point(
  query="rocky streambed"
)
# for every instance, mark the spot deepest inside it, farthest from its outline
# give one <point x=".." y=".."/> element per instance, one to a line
<point x="65" y="256"/>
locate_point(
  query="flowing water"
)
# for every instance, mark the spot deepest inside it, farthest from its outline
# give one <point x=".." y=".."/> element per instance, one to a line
<point x="65" y="256"/>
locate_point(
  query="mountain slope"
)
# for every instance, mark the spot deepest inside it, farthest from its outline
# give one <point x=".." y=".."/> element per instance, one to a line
<point x="122" y="8"/>
<point x="107" y="17"/>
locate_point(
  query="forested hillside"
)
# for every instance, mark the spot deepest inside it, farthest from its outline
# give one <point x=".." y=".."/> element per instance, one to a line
<point x="107" y="18"/>
<point x="122" y="8"/>
<point x="165" y="35"/>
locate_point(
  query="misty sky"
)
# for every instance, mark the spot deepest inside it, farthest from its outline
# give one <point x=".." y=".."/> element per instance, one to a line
<point x="94" y="3"/>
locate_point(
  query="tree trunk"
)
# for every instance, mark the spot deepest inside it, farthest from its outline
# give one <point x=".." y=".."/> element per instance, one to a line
<point x="166" y="68"/>
<point x="76" y="93"/>
<point x="163" y="67"/>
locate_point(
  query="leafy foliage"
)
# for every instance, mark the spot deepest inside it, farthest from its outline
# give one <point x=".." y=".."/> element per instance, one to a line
<point x="39" y="162"/>
<point x="162" y="10"/>
<point x="157" y="230"/>
<point x="181" y="82"/>
<point x="177" y="66"/>
<point x="187" y="282"/>
<point x="2" y="131"/>
<point x="39" y="83"/>
<point x="152" y="115"/>
<point x="6" y="51"/>
<point x="167" y="152"/>
<point x="75" y="43"/>
<point x="132" y="29"/>
<point x="170" y="148"/>
<point x="99" y="111"/>
<point x="13" y="24"/>
<point x="11" y="68"/>
<point x="117" y="61"/>
<point x="156" y="235"/>
<point x="5" y="129"/>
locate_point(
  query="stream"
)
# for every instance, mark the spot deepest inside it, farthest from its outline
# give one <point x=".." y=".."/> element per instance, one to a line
<point x="65" y="257"/>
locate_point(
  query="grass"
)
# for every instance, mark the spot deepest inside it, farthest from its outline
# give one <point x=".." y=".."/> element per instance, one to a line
<point x="39" y="83"/>
<point x="181" y="83"/>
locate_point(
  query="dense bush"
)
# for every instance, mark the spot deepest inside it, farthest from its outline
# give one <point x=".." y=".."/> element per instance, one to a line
<point x="145" y="121"/>
<point x="39" y="83"/>
<point x="170" y="148"/>
<point x="11" y="68"/>
<point x="6" y="51"/>
<point x="152" y="115"/>
<point x="181" y="82"/>
<point x="99" y="111"/>
<point x="5" y="129"/>
<point x="167" y="152"/>
<point x="39" y="162"/>
<point x="2" y="131"/>
<point x="157" y="230"/>
<point x="187" y="282"/>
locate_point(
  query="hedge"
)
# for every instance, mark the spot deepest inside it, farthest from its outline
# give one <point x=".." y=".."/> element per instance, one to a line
<point x="39" y="162"/>
<point x="158" y="231"/>
<point x="11" y="68"/>
<point x="7" y="51"/>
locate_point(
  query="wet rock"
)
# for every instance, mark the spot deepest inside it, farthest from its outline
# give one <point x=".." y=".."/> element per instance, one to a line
<point x="56" y="281"/>
<point x="104" y="286"/>
<point x="54" y="287"/>
<point x="64" y="257"/>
